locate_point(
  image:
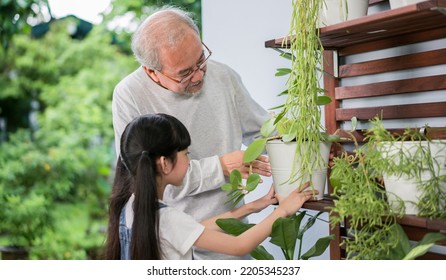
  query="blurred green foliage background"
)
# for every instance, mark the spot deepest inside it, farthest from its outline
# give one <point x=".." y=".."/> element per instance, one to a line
<point x="56" y="135"/>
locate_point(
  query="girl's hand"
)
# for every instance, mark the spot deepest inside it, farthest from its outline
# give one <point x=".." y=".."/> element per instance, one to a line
<point x="265" y="201"/>
<point x="294" y="201"/>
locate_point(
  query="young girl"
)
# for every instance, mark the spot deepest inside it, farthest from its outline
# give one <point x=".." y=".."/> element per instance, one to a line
<point x="153" y="155"/>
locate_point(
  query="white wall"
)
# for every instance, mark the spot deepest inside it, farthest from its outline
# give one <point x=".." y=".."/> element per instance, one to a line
<point x="236" y="32"/>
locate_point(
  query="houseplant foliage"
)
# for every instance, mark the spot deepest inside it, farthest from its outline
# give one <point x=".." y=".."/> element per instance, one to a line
<point x="285" y="234"/>
<point x="300" y="117"/>
<point x="360" y="194"/>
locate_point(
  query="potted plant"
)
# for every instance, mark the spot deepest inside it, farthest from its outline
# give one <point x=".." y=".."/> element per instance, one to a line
<point x="285" y="233"/>
<point x="361" y="198"/>
<point x="395" y="4"/>
<point x="336" y="11"/>
<point x="298" y="124"/>
<point x="413" y="170"/>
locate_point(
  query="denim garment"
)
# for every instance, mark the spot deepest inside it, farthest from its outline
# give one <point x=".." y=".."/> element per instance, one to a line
<point x="125" y="234"/>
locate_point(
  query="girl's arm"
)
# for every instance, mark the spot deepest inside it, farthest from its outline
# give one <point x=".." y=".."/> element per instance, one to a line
<point x="243" y="211"/>
<point x="246" y="242"/>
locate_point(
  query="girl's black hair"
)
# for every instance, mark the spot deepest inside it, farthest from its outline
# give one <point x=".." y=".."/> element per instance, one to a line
<point x="143" y="141"/>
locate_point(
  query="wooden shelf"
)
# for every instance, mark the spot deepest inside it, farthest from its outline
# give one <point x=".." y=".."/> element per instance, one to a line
<point x="385" y="25"/>
<point x="416" y="23"/>
<point x="323" y="205"/>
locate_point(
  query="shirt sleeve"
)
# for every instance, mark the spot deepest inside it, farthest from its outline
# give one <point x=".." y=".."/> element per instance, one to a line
<point x="179" y="230"/>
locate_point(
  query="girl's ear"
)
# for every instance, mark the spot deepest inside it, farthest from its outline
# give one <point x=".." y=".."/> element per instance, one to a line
<point x="165" y="165"/>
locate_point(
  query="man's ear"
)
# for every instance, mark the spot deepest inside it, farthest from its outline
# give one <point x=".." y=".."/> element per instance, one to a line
<point x="164" y="165"/>
<point x="151" y="73"/>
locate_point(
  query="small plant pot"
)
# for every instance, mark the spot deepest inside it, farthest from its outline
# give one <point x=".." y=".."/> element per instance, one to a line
<point x="395" y="4"/>
<point x="409" y="188"/>
<point x="14" y="253"/>
<point x="282" y="159"/>
<point x="336" y="11"/>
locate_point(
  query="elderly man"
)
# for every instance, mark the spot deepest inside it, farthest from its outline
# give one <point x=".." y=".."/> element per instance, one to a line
<point x="177" y="77"/>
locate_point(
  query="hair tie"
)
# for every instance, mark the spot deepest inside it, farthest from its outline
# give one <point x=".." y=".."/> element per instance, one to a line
<point x="123" y="162"/>
<point x="145" y="153"/>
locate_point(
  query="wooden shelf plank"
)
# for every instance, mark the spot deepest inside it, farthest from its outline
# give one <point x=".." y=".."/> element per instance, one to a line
<point x="385" y="25"/>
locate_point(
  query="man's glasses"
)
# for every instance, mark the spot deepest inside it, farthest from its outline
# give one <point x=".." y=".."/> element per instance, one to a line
<point x="201" y="66"/>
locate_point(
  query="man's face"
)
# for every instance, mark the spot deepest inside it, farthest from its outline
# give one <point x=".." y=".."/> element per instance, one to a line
<point x="184" y="66"/>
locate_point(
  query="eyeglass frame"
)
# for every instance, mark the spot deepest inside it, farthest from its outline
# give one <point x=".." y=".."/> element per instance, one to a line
<point x="197" y="67"/>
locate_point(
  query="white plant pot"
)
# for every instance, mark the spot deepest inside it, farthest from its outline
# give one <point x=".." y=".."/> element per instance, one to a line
<point x="282" y="157"/>
<point x="336" y="11"/>
<point x="405" y="187"/>
<point x="395" y="4"/>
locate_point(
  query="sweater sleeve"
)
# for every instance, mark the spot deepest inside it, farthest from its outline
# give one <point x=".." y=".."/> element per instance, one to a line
<point x="203" y="175"/>
<point x="252" y="115"/>
<point x="123" y="112"/>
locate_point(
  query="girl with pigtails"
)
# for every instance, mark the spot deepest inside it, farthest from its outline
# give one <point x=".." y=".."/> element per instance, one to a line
<point x="142" y="227"/>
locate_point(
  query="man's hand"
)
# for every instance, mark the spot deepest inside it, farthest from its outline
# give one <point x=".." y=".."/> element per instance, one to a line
<point x="234" y="160"/>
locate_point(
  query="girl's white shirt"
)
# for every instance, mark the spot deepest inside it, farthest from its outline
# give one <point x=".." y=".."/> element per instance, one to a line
<point x="177" y="231"/>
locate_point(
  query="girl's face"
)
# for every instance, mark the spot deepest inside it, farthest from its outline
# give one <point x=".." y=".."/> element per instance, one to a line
<point x="180" y="168"/>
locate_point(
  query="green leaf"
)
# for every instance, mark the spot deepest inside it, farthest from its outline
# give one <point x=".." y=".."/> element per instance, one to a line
<point x="254" y="150"/>
<point x="277" y="107"/>
<point x="235" y="178"/>
<point x="227" y="187"/>
<point x="424" y="245"/>
<point x="288" y="138"/>
<point x="284" y="235"/>
<point x="284" y="92"/>
<point x="282" y="72"/>
<point x="233" y="226"/>
<point x="318" y="248"/>
<point x="354" y="121"/>
<point x="308" y="225"/>
<point x="252" y="182"/>
<point x="286" y="55"/>
<point x="403" y="246"/>
<point x="323" y="100"/>
<point x="267" y="128"/>
<point x="260" y="253"/>
<point x="298" y="219"/>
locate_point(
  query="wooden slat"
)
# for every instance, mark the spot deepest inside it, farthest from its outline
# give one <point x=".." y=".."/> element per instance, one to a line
<point x="391" y="87"/>
<point x="425" y="110"/>
<point x="373" y="2"/>
<point x="410" y="61"/>
<point x="330" y="83"/>
<point x="395" y="41"/>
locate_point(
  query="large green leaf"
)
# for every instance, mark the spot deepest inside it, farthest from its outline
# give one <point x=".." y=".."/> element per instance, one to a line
<point x="260" y="253"/>
<point x="254" y="150"/>
<point x="402" y="248"/>
<point x="233" y="226"/>
<point x="318" y="248"/>
<point x="284" y="235"/>
<point x="424" y="245"/>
